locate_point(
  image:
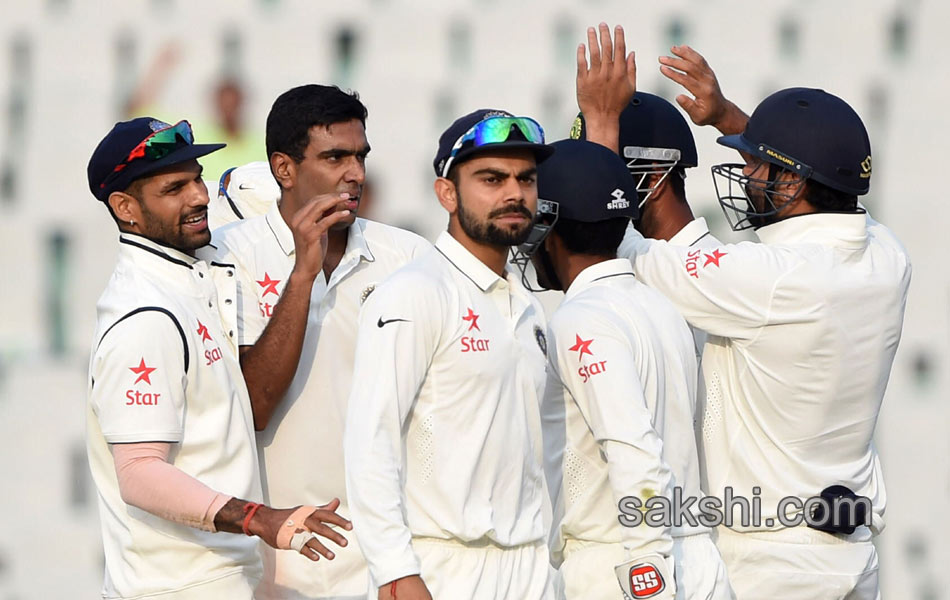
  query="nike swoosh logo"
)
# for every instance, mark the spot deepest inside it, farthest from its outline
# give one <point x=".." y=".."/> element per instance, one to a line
<point x="245" y="187"/>
<point x="380" y="322"/>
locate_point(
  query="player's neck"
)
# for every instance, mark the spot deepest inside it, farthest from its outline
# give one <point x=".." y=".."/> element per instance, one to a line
<point x="493" y="257"/>
<point x="574" y="264"/>
<point x="664" y="216"/>
<point x="336" y="247"/>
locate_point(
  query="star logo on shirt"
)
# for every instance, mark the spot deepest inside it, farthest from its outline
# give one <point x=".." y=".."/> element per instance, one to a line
<point x="582" y="346"/>
<point x="472" y="318"/>
<point x="713" y="259"/>
<point x="203" y="332"/>
<point x="269" y="285"/>
<point x="143" y="372"/>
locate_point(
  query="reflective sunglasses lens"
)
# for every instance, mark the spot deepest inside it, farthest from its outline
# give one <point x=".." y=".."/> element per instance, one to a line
<point x="161" y="143"/>
<point x="497" y="129"/>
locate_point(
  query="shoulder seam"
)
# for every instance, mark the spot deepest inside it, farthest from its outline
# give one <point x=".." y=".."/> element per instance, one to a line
<point x="165" y="311"/>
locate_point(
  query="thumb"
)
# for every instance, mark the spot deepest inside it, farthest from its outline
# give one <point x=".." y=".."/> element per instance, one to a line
<point x="632" y="70"/>
<point x="688" y="104"/>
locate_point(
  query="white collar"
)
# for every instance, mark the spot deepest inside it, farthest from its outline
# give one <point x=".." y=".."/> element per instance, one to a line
<point x="831" y="229"/>
<point x="466" y="262"/>
<point x="609" y="268"/>
<point x="355" y="240"/>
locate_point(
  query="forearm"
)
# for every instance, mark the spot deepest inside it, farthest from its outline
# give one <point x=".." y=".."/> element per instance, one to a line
<point x="270" y="364"/>
<point x="604" y="129"/>
<point x="148" y="482"/>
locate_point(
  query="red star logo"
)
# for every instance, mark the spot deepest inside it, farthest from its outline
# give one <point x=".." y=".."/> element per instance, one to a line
<point x="582" y="346"/>
<point x="269" y="285"/>
<point x="473" y="318"/>
<point x="714" y="258"/>
<point x="143" y="372"/>
<point x="203" y="332"/>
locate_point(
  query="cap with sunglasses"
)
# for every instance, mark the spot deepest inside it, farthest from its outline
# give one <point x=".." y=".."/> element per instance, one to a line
<point x="485" y="130"/>
<point x="135" y="148"/>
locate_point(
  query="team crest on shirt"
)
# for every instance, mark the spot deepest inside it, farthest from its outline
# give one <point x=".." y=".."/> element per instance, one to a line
<point x="542" y="341"/>
<point x="366" y="292"/>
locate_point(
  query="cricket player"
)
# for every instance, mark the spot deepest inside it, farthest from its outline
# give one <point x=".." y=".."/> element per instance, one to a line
<point x="803" y="329"/>
<point x="618" y="407"/>
<point x="297" y="312"/>
<point x="169" y="427"/>
<point x="443" y="441"/>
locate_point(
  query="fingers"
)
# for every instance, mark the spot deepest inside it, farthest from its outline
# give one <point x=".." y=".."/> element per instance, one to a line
<point x="313" y="549"/>
<point x="594" y="48"/>
<point x="620" y="45"/>
<point x="328" y="533"/>
<point x="331" y="505"/>
<point x="607" y="54"/>
<point x="581" y="61"/>
<point x="317" y="208"/>
<point x="328" y="516"/>
<point x="680" y="78"/>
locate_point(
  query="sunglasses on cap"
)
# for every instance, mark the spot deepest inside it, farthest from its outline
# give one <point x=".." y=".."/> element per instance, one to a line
<point x="495" y="130"/>
<point x="156" y="146"/>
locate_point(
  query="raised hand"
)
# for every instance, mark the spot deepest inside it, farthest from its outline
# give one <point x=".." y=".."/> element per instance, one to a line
<point x="707" y="106"/>
<point x="310" y="226"/>
<point x="606" y="85"/>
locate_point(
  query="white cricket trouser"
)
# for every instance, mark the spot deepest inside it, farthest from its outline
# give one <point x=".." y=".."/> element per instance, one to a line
<point x="800" y="563"/>
<point x="587" y="572"/>
<point x="453" y="570"/>
<point x="288" y="575"/>
<point x="239" y="586"/>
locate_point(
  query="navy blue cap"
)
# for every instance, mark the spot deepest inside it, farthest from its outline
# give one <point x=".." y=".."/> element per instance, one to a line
<point x="589" y="182"/>
<point x="119" y="142"/>
<point x="650" y="121"/>
<point x="463" y="124"/>
<point x="811" y="132"/>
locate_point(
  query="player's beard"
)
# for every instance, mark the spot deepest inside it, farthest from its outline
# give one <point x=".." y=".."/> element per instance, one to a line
<point x="486" y="232"/>
<point x="172" y="234"/>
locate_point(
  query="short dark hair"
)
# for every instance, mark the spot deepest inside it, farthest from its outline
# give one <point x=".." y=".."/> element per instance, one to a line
<point x="827" y="199"/>
<point x="593" y="239"/>
<point x="300" y="108"/>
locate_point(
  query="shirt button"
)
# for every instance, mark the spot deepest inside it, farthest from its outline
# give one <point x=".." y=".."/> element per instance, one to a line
<point x="227" y="301"/>
<point x="231" y="333"/>
<point x="230" y="273"/>
<point x="200" y="274"/>
<point x="210" y="304"/>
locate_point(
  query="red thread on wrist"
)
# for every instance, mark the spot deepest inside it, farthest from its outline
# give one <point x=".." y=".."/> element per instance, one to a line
<point x="249" y="509"/>
<point x="392" y="589"/>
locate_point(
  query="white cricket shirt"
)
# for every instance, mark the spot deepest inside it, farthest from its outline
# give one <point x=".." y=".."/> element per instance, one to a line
<point x="802" y="333"/>
<point x="161" y="371"/>
<point x="301" y="449"/>
<point x="618" y="410"/>
<point x="443" y="432"/>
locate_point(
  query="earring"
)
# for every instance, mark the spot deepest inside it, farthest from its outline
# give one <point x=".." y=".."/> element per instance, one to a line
<point x="132" y="222"/>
